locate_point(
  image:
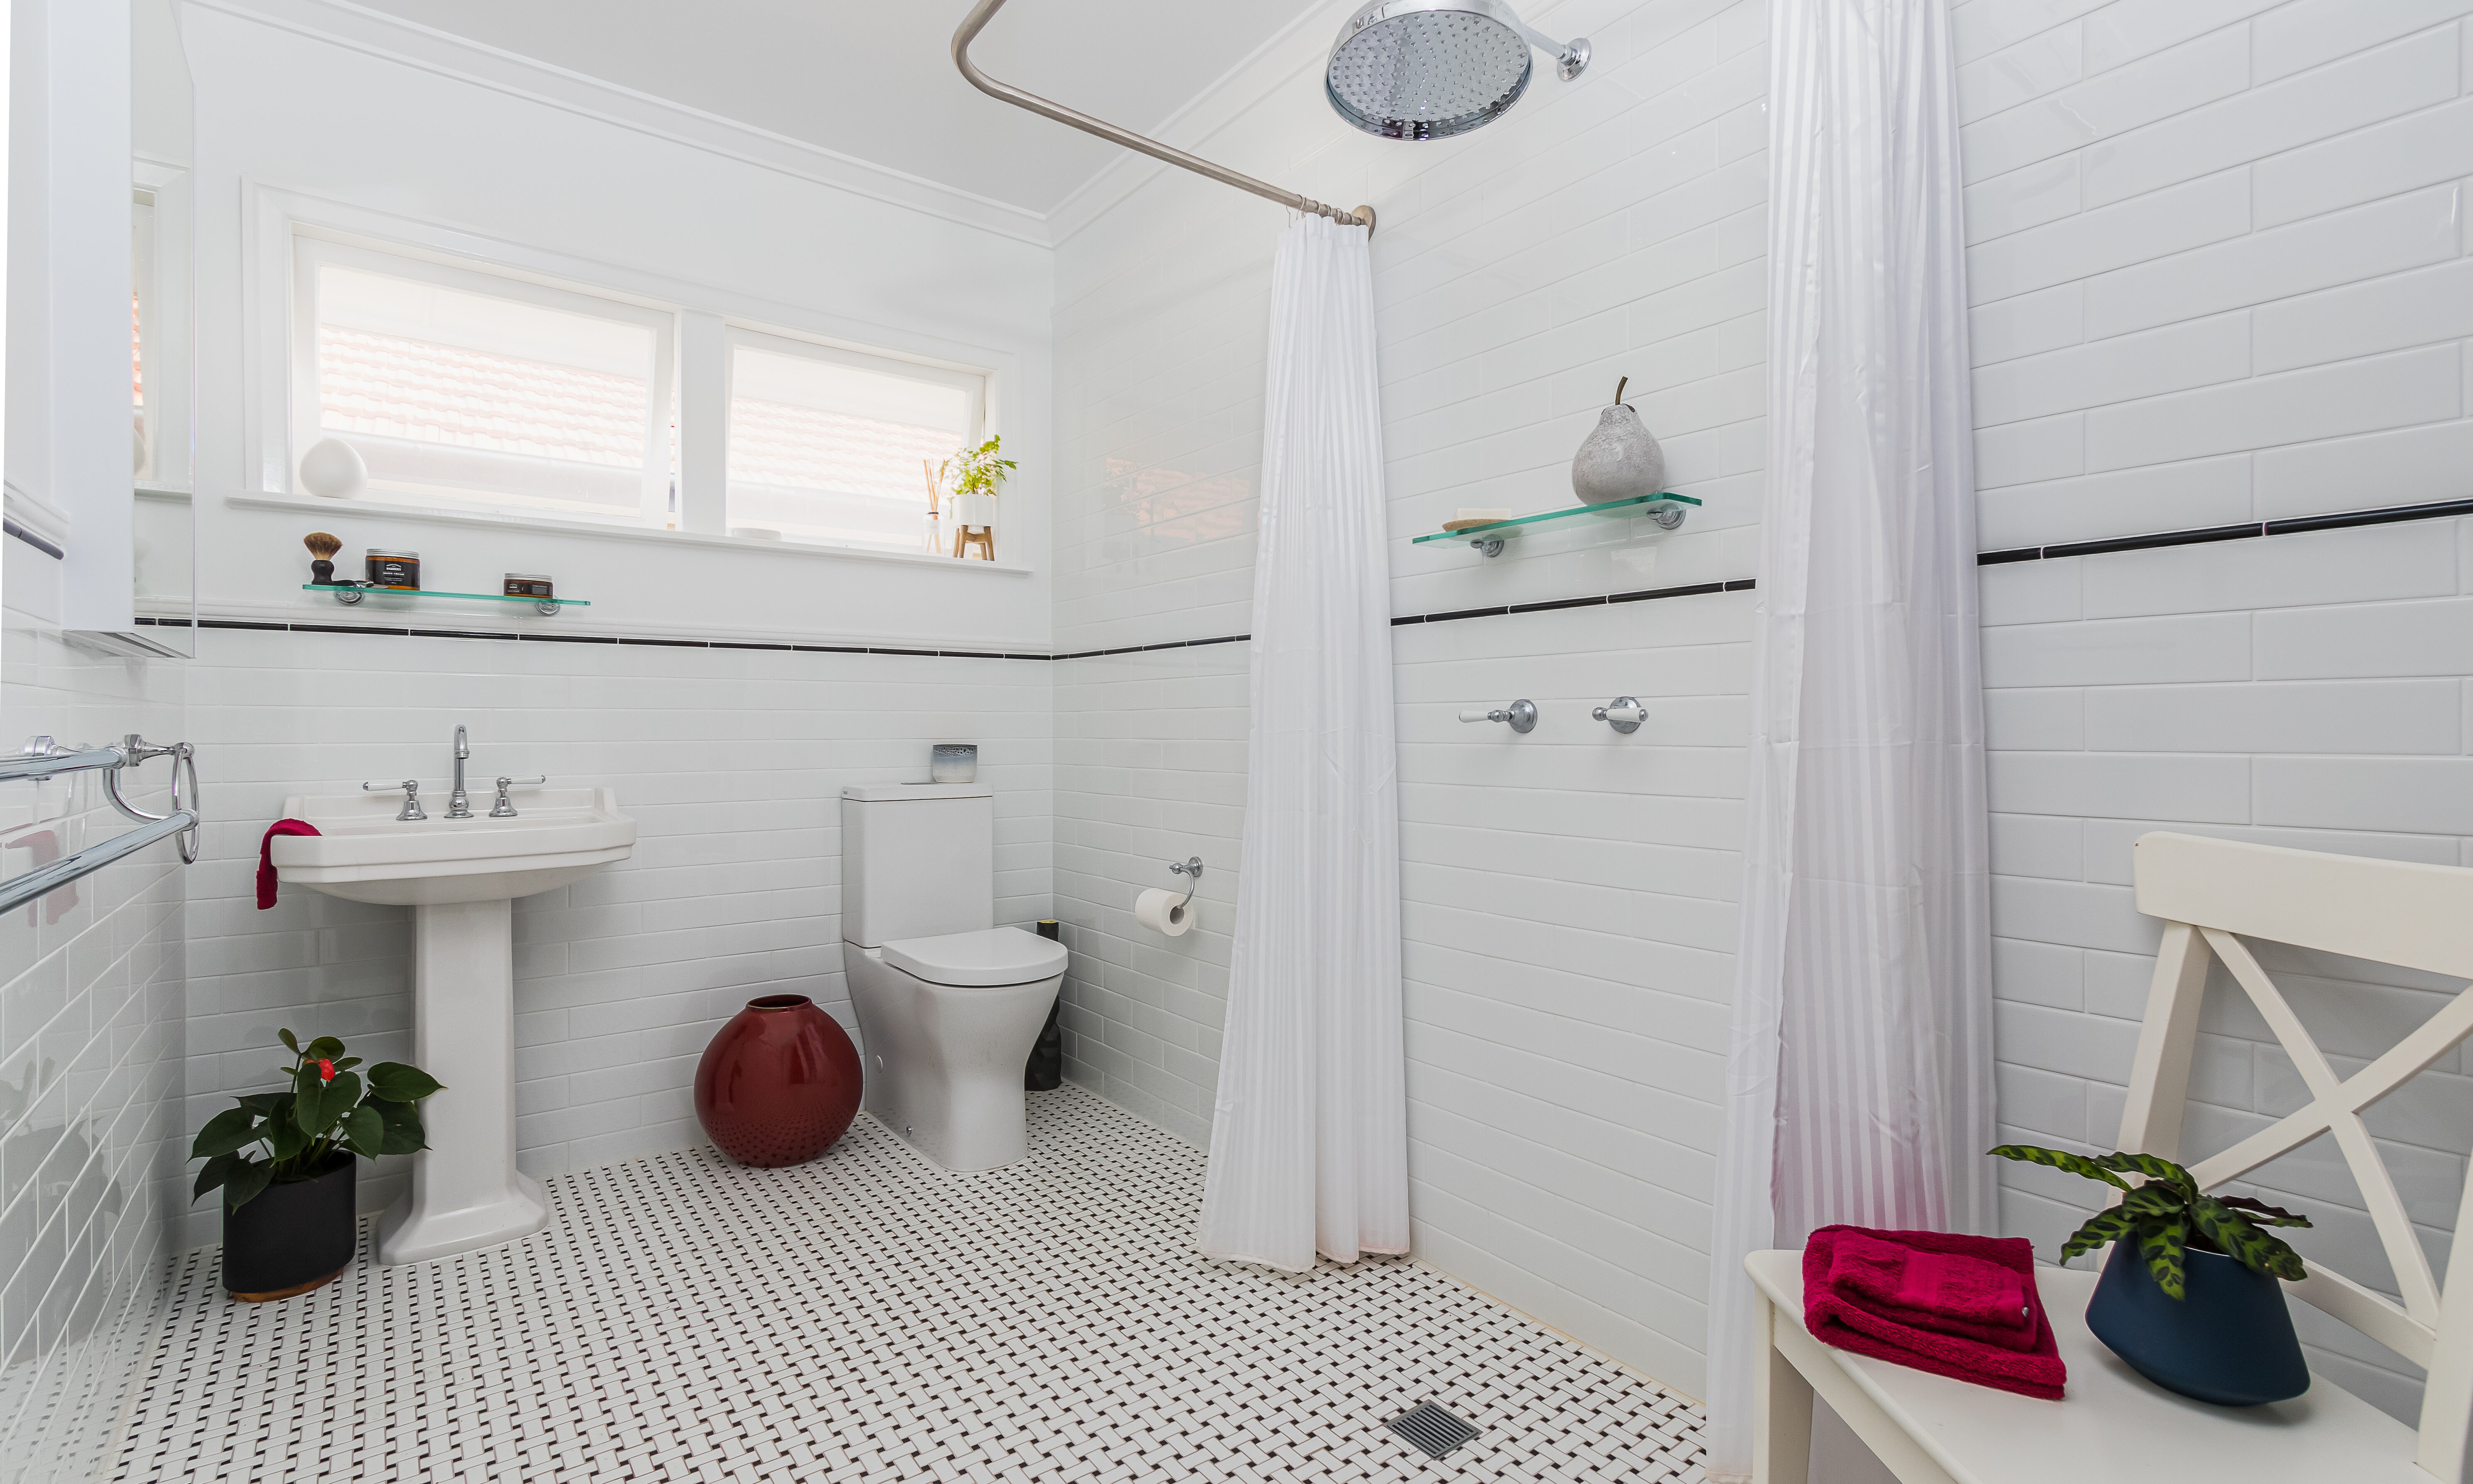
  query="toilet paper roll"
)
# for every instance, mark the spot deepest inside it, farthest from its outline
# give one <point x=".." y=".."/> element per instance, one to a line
<point x="1161" y="912"/>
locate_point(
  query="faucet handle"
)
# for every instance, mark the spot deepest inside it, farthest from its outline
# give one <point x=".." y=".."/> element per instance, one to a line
<point x="411" y="787"/>
<point x="504" y="809"/>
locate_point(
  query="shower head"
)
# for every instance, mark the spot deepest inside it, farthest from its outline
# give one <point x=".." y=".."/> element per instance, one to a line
<point x="1428" y="69"/>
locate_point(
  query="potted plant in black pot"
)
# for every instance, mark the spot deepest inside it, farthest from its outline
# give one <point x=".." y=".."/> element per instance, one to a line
<point x="2190" y="1296"/>
<point x="283" y="1161"/>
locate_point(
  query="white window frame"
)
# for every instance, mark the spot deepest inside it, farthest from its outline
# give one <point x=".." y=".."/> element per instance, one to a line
<point x="276" y="218"/>
<point x="312" y="250"/>
<point x="973" y="384"/>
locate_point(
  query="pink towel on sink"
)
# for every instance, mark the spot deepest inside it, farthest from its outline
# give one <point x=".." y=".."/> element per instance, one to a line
<point x="1849" y="1322"/>
<point x="266" y="877"/>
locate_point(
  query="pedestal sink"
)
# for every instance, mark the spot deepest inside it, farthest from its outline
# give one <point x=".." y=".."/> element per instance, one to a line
<point x="460" y="877"/>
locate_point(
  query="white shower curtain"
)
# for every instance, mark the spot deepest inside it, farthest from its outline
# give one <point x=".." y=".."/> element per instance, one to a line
<point x="1308" y="1144"/>
<point x="1859" y="1075"/>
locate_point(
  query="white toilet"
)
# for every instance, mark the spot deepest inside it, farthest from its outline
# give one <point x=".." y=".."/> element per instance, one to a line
<point x="949" y="1003"/>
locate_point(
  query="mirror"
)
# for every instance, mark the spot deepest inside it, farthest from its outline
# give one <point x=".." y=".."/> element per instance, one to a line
<point x="162" y="321"/>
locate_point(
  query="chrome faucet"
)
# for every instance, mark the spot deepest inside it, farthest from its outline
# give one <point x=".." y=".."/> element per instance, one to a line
<point x="458" y="805"/>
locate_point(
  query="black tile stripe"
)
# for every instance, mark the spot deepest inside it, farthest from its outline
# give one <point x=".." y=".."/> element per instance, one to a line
<point x="2338" y="521"/>
<point x="2333" y="520"/>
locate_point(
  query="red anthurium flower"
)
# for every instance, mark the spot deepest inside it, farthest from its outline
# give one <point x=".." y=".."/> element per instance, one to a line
<point x="325" y="1069"/>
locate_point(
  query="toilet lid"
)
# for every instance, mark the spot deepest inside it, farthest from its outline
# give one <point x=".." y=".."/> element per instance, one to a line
<point x="990" y="956"/>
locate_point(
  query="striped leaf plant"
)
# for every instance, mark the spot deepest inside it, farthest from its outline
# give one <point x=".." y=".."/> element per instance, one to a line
<point x="2166" y="1214"/>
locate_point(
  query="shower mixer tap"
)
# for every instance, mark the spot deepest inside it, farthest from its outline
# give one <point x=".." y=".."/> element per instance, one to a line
<point x="1623" y="713"/>
<point x="1521" y="714"/>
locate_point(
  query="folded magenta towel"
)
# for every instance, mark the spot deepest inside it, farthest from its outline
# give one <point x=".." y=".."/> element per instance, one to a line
<point x="266" y="877"/>
<point x="1835" y="1318"/>
<point x="1947" y="1292"/>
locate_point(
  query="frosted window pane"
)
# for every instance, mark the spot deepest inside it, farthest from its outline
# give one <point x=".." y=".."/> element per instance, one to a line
<point x="821" y="451"/>
<point x="482" y="399"/>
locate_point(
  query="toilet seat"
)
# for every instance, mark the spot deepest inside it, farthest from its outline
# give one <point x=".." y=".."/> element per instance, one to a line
<point x="988" y="958"/>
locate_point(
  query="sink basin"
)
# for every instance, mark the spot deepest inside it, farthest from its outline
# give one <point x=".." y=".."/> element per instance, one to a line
<point x="460" y="877"/>
<point x="364" y="853"/>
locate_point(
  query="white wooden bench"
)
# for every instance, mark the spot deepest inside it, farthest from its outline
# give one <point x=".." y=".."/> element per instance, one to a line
<point x="2211" y="894"/>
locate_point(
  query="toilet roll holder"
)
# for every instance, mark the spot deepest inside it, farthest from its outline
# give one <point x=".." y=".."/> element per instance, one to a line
<point x="1190" y="869"/>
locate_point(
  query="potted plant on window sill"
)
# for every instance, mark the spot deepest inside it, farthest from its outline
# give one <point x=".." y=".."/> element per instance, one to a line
<point x="284" y="1162"/>
<point x="2190" y="1296"/>
<point x="975" y="476"/>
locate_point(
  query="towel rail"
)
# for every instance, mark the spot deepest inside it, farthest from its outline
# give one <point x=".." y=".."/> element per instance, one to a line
<point x="43" y="758"/>
<point x="43" y="880"/>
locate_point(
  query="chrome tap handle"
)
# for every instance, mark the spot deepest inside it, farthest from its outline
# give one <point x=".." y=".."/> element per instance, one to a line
<point x="411" y="787"/>
<point x="503" y="809"/>
<point x="1521" y="714"/>
<point x="1623" y="713"/>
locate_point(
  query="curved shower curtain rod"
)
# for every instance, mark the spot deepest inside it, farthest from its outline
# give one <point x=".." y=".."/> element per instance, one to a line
<point x="1005" y="92"/>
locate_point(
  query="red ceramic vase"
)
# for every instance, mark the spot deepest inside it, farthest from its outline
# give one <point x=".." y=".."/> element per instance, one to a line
<point x="780" y="1083"/>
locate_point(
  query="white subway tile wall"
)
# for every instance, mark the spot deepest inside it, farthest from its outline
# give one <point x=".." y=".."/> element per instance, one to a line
<point x="2252" y="308"/>
<point x="92" y="1015"/>
<point x="732" y="762"/>
<point x="1569" y="894"/>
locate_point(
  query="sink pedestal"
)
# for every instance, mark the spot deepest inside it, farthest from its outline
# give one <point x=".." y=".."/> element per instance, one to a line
<point x="465" y="1189"/>
<point x="460" y="877"/>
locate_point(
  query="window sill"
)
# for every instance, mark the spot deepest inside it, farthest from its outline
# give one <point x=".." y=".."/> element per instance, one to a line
<point x="611" y="533"/>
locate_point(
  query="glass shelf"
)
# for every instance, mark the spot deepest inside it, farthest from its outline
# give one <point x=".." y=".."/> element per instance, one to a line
<point x="348" y="594"/>
<point x="1489" y="537"/>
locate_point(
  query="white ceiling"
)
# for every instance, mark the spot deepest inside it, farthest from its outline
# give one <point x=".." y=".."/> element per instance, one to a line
<point x="874" y="78"/>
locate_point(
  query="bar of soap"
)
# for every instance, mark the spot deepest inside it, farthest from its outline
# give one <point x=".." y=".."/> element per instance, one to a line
<point x="1468" y="517"/>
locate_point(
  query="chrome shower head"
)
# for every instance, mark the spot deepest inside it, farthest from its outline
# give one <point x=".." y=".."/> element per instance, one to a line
<point x="1428" y="69"/>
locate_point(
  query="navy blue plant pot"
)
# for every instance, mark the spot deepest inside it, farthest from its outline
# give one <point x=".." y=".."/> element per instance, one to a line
<point x="2228" y="1339"/>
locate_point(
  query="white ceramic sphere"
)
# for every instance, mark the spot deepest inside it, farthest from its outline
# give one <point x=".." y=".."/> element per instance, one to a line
<point x="333" y="468"/>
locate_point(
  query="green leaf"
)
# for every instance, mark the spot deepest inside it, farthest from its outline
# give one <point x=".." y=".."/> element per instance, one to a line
<point x="2262" y="1213"/>
<point x="2152" y="1166"/>
<point x="283" y="1133"/>
<point x="397" y="1083"/>
<point x="218" y="1171"/>
<point x="324" y="1046"/>
<point x="290" y="1042"/>
<point x="2161" y="1200"/>
<point x="345" y="1063"/>
<point x="2162" y="1243"/>
<point x="405" y="1134"/>
<point x="2104" y="1227"/>
<point x="264" y="1103"/>
<point x="224" y="1133"/>
<point x="343" y="1095"/>
<point x="2257" y="1251"/>
<point x="309" y="1102"/>
<point x="247" y="1179"/>
<point x="365" y="1131"/>
<point x="2061" y="1160"/>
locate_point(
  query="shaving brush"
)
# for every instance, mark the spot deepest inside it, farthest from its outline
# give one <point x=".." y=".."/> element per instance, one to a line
<point x="323" y="547"/>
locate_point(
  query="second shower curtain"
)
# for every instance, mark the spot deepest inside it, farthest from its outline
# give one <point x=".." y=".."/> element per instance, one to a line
<point x="1308" y="1141"/>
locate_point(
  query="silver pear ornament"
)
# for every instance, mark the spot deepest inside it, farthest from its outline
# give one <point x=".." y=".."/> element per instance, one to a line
<point x="1618" y="460"/>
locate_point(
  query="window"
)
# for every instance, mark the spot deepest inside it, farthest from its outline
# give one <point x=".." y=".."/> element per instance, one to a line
<point x="471" y="391"/>
<point x="835" y="446"/>
<point x="466" y="388"/>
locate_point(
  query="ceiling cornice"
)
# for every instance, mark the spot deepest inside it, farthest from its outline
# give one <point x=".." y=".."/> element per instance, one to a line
<point x="393" y="39"/>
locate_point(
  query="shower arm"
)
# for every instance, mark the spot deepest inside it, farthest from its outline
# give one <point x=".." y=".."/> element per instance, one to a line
<point x="1005" y="92"/>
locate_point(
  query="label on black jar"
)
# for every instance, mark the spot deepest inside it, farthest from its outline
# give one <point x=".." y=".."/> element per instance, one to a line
<point x="396" y="572"/>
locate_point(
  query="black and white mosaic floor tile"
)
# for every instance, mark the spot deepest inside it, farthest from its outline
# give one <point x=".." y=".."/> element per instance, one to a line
<point x="871" y="1317"/>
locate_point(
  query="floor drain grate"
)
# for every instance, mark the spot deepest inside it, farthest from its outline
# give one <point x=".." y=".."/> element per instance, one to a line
<point x="1430" y="1429"/>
